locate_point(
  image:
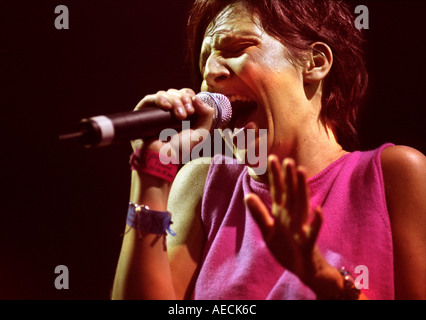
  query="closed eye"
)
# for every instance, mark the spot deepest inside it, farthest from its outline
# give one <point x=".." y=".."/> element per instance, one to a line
<point x="228" y="44"/>
<point x="236" y="50"/>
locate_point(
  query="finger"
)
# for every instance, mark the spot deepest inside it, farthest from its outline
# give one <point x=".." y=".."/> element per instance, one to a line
<point x="276" y="180"/>
<point x="182" y="92"/>
<point x="201" y="107"/>
<point x="205" y="113"/>
<point x="188" y="93"/>
<point x="165" y="100"/>
<point x="290" y="184"/>
<point x="301" y="206"/>
<point x="185" y="96"/>
<point x="315" y="226"/>
<point x="159" y="99"/>
<point x="178" y="108"/>
<point x="260" y="214"/>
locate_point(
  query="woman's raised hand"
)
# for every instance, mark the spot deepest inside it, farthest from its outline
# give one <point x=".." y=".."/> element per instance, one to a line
<point x="290" y="232"/>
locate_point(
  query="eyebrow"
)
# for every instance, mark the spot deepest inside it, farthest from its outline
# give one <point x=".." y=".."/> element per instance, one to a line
<point x="229" y="35"/>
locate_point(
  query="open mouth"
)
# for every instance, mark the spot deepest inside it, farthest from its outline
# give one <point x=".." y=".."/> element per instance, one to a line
<point x="243" y="111"/>
<point x="244" y="118"/>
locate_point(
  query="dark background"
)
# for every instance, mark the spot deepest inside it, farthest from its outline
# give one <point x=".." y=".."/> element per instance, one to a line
<point x="63" y="204"/>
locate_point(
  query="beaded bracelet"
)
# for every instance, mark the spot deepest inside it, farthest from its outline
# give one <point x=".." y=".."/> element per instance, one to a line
<point x="143" y="219"/>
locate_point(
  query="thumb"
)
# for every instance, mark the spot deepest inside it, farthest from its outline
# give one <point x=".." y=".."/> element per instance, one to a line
<point x="205" y="113"/>
<point x="315" y="226"/>
<point x="260" y="214"/>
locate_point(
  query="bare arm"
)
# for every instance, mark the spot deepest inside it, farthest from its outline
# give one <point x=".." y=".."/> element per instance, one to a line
<point x="143" y="270"/>
<point x="404" y="172"/>
<point x="185" y="250"/>
<point x="147" y="267"/>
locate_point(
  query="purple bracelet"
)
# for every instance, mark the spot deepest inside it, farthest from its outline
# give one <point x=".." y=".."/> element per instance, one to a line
<point x="143" y="219"/>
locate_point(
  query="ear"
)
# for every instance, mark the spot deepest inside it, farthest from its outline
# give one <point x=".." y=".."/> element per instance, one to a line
<point x="319" y="63"/>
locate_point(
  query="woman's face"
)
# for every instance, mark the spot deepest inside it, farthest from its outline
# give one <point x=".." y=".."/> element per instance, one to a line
<point x="240" y="60"/>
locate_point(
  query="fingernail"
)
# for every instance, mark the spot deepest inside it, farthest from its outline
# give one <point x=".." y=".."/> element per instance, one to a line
<point x="286" y="162"/>
<point x="180" y="111"/>
<point x="189" y="107"/>
<point x="246" y="198"/>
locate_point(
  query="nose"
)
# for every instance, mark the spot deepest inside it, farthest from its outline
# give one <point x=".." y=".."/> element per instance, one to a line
<point x="216" y="71"/>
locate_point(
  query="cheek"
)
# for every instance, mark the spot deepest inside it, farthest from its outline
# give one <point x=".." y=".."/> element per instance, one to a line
<point x="275" y="61"/>
<point x="268" y="74"/>
<point x="248" y="70"/>
<point x="276" y="64"/>
<point x="242" y="65"/>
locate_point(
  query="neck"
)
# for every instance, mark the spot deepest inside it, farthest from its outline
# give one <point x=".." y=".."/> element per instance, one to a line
<point x="319" y="151"/>
<point x="315" y="151"/>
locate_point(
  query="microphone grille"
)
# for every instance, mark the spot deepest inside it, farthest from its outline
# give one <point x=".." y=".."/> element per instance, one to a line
<point x="221" y="105"/>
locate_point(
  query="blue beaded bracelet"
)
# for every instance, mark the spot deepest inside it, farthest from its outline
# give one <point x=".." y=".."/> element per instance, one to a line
<point x="143" y="219"/>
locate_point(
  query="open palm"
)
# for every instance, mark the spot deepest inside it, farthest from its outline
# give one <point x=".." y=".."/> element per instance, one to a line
<point x="289" y="232"/>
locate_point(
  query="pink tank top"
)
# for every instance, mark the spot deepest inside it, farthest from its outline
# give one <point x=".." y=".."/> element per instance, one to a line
<point x="356" y="231"/>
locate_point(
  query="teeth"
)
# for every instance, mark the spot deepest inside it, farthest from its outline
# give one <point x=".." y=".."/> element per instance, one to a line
<point x="234" y="98"/>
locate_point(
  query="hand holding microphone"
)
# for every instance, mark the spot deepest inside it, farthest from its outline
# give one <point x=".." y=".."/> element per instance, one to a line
<point x="153" y="114"/>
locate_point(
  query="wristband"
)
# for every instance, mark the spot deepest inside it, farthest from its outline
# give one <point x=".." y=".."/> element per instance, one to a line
<point x="154" y="164"/>
<point x="143" y="219"/>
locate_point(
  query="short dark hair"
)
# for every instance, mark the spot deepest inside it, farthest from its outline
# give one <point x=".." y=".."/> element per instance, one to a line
<point x="297" y="24"/>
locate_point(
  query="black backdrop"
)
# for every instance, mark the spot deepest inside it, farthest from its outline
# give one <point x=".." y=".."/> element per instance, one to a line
<point x="65" y="205"/>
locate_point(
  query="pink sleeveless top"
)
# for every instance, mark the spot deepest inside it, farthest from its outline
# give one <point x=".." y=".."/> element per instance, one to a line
<point x="356" y="231"/>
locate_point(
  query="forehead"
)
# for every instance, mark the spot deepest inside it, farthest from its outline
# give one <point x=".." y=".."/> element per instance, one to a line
<point x="234" y="19"/>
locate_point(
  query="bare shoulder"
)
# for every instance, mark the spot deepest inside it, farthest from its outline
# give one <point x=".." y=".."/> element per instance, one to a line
<point x="185" y="198"/>
<point x="189" y="183"/>
<point x="404" y="174"/>
<point x="403" y="158"/>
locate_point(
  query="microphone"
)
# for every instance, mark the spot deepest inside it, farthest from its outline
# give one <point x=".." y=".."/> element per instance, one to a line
<point x="148" y="122"/>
